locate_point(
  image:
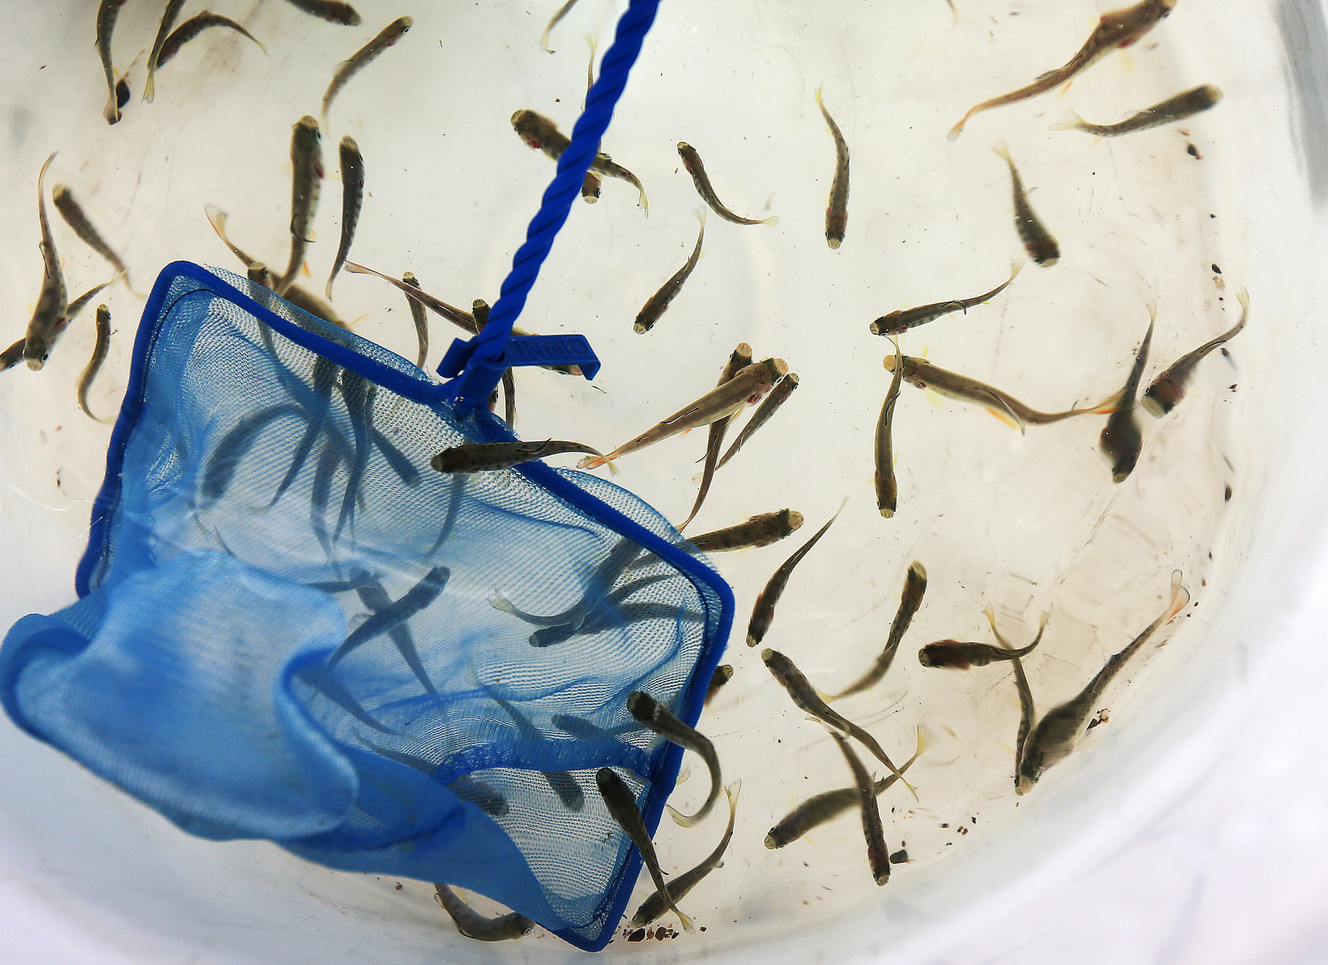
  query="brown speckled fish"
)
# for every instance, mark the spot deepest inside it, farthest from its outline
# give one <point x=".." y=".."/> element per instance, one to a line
<point x="1056" y="734"/>
<point x="745" y="388"/>
<point x="1038" y="242"/>
<point x="1177" y="108"/>
<point x="1116" y="28"/>
<point x="659" y="302"/>
<point x="1166" y="391"/>
<point x="1121" y="439"/>
<point x="307" y="162"/>
<point x="836" y="211"/>
<point x="692" y="162"/>
<point x="348" y="68"/>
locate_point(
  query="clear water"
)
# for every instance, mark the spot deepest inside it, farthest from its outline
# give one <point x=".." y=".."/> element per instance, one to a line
<point x="1025" y="524"/>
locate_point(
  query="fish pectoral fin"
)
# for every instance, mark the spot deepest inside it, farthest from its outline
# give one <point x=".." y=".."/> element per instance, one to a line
<point x="1005" y="416"/>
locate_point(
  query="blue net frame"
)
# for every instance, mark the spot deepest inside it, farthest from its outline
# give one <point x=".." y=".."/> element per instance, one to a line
<point x="290" y="628"/>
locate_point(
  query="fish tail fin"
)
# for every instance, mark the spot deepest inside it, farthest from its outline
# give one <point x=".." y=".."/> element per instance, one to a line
<point x="773" y="219"/>
<point x="1016" y="266"/>
<point x="731" y="792"/>
<point x="1180" y="596"/>
<point x="1071" y="121"/>
<point x="682" y="820"/>
<point x="1107" y="406"/>
<point x="821" y="104"/>
<point x="124" y="277"/>
<point x="1000" y="148"/>
<point x="924" y="738"/>
<point x="959" y="128"/>
<point x="990" y="613"/>
<point x="217" y="218"/>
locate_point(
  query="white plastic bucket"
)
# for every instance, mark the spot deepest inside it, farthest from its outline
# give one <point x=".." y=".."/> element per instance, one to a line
<point x="1025" y="524"/>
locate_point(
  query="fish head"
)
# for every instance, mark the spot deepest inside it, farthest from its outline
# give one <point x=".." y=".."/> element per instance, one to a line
<point x="35" y="352"/>
<point x="942" y="653"/>
<point x="527" y="126"/>
<point x="641" y="706"/>
<point x="885" y="326"/>
<point x="1030" y="769"/>
<point x="917" y="576"/>
<point x="879" y="860"/>
<point x="1120" y="442"/>
<point x="1162" y="396"/>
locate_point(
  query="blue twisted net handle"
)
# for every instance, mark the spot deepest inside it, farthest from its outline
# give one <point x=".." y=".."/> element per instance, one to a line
<point x="475" y="366"/>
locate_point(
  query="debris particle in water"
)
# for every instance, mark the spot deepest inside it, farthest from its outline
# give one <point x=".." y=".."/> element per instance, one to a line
<point x="1216" y="270"/>
<point x="1193" y="151"/>
<point x="1226" y="496"/>
<point x="637" y="936"/>
<point x="899" y="857"/>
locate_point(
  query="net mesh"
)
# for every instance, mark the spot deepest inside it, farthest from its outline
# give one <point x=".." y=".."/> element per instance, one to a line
<point x="290" y="627"/>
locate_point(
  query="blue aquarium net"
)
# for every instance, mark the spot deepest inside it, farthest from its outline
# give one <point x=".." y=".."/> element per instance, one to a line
<point x="291" y="627"/>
